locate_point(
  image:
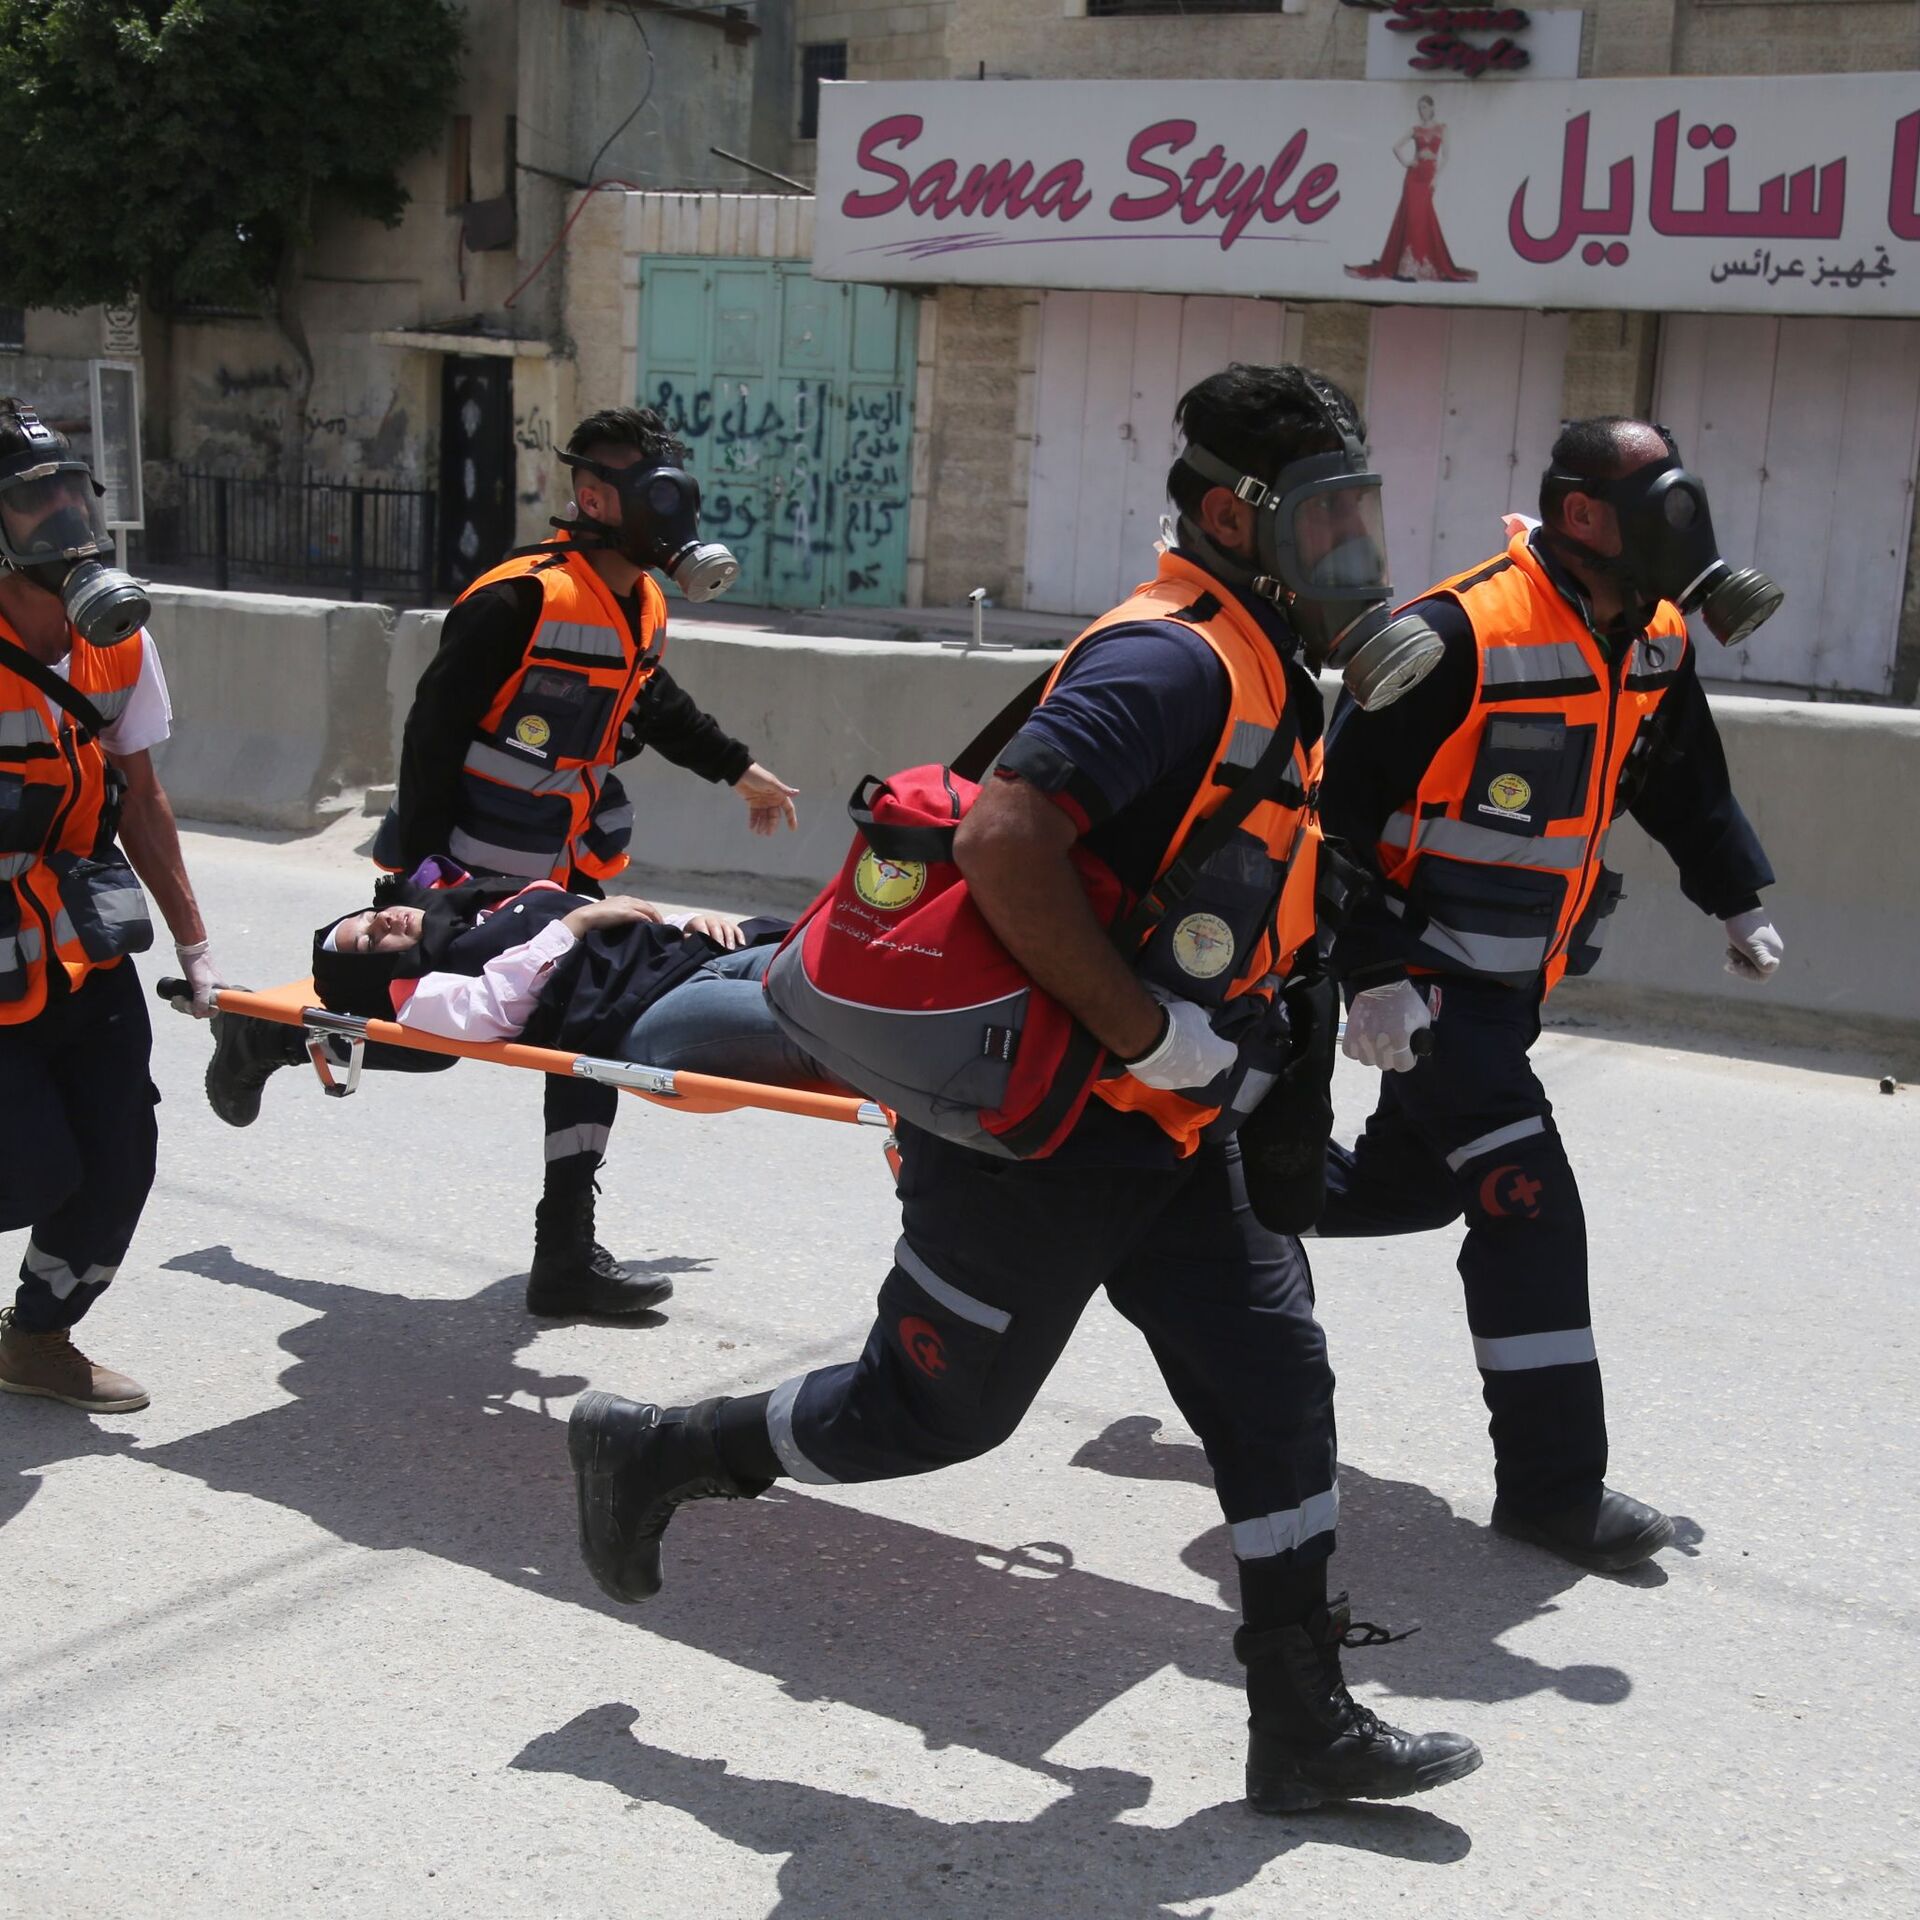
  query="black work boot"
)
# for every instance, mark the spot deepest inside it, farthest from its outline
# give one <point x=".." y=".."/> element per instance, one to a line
<point x="1311" y="1741"/>
<point x="632" y="1465"/>
<point x="1608" y="1533"/>
<point x="573" y="1273"/>
<point x="246" y="1055"/>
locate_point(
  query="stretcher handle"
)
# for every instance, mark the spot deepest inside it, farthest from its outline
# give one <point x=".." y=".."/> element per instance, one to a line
<point x="691" y="1092"/>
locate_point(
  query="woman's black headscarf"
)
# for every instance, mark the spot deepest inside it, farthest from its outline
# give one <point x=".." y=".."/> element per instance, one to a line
<point x="362" y="983"/>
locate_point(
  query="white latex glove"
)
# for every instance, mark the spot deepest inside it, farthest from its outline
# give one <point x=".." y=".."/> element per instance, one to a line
<point x="202" y="976"/>
<point x="1381" y="1024"/>
<point x="1754" y="949"/>
<point x="1189" y="1053"/>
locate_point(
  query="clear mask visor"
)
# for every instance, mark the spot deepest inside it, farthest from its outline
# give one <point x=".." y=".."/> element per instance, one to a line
<point x="1340" y="541"/>
<point x="52" y="515"/>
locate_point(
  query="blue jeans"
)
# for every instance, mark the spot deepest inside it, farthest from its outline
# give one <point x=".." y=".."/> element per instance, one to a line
<point x="717" y="1021"/>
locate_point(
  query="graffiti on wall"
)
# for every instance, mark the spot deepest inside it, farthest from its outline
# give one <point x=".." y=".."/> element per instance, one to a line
<point x="772" y="472"/>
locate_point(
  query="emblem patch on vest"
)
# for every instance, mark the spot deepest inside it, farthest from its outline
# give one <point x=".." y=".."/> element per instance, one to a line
<point x="1509" y="794"/>
<point x="533" y="733"/>
<point x="1203" y="945"/>
<point x="889" y="884"/>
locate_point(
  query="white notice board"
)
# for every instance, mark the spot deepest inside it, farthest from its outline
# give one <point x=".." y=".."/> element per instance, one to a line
<point x="116" y="440"/>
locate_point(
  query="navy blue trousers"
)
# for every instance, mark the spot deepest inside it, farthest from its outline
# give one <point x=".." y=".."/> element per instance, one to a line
<point x="1469" y="1131"/>
<point x="77" y="1142"/>
<point x="995" y="1263"/>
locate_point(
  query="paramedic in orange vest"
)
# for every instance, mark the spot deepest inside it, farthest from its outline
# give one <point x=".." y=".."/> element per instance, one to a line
<point x="82" y="705"/>
<point x="548" y="673"/>
<point x="1568" y="695"/>
<point x="1154" y="715"/>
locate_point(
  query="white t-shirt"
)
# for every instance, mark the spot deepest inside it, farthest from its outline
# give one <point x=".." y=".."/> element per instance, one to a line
<point x="147" y="718"/>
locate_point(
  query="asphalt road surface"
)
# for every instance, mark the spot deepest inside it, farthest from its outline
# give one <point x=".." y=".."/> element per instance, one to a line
<point x="310" y="1636"/>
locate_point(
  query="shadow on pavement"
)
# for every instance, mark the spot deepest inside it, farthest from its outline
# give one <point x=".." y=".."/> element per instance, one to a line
<point x="414" y="1424"/>
<point x="36" y="1433"/>
<point x="1077" y="1860"/>
<point x="1409" y="1560"/>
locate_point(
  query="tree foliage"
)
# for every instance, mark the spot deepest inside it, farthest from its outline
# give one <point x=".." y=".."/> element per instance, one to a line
<point x="178" y="148"/>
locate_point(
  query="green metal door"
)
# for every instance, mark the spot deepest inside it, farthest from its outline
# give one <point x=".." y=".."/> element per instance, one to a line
<point x="795" y="399"/>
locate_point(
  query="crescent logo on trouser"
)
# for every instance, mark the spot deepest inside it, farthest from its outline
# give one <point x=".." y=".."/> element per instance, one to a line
<point x="1469" y="1130"/>
<point x="958" y="1351"/>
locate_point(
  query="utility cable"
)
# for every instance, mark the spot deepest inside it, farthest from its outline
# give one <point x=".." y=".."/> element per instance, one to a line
<point x="594" y="183"/>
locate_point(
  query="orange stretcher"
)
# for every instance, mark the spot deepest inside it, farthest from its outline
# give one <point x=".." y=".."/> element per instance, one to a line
<point x="293" y="1006"/>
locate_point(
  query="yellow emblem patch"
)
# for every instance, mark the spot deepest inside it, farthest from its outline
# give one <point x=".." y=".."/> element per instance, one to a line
<point x="533" y="732"/>
<point x="889" y="884"/>
<point x="1203" y="945"/>
<point x="1509" y="792"/>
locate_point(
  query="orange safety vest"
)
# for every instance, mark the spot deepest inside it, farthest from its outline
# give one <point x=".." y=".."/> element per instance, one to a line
<point x="536" y="797"/>
<point x="53" y="798"/>
<point x="1252" y="906"/>
<point x="1496" y="862"/>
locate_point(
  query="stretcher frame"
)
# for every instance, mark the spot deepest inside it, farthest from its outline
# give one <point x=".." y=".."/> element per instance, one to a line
<point x="293" y="1005"/>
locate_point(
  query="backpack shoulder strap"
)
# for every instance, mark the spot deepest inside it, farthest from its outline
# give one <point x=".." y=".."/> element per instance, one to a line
<point x="984" y="748"/>
<point x="92" y="721"/>
<point x="1265" y="778"/>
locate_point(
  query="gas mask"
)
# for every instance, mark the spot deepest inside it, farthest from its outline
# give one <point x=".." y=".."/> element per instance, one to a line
<point x="52" y="530"/>
<point x="660" y="525"/>
<point x="1668" y="552"/>
<point x="1320" y="555"/>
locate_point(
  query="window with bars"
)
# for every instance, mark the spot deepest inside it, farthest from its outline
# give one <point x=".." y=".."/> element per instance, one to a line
<point x="823" y="60"/>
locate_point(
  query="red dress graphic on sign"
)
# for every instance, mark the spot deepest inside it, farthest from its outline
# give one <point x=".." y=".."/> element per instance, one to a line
<point x="1416" y="249"/>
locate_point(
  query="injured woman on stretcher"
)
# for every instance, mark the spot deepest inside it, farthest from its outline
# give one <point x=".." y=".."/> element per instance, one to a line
<point x="500" y="960"/>
<point x="510" y="960"/>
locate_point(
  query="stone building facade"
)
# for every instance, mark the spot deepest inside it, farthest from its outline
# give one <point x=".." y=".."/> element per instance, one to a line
<point x="979" y="438"/>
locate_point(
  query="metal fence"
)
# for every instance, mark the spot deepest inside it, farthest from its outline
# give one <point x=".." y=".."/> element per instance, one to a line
<point x="227" y="530"/>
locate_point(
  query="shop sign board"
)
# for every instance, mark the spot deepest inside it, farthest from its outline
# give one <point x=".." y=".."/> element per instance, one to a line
<point x="1784" y="194"/>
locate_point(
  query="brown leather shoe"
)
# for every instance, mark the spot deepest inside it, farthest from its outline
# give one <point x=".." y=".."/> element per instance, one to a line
<point x="50" y="1364"/>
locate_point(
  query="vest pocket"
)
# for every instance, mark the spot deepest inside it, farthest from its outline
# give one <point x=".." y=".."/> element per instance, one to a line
<point x="105" y="904"/>
<point x="1202" y="943"/>
<point x="554" y="716"/>
<point x="1531" y="769"/>
<point x="1590" y="930"/>
<point x="508" y="831"/>
<point x="27" y="808"/>
<point x="1498" y="921"/>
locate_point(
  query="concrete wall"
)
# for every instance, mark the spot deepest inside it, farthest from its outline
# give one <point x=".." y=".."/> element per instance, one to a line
<point x="284" y="709"/>
<point x="280" y="705"/>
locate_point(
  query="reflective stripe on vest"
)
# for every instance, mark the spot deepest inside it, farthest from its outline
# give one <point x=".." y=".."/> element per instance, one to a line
<point x="23" y="728"/>
<point x="1496" y="859"/>
<point x="528" y="802"/>
<point x="55" y="802"/>
<point x="529" y="776"/>
<point x="1226" y="938"/>
<point x="1460" y="840"/>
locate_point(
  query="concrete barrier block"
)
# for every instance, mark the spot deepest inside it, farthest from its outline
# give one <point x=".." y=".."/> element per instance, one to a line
<point x="280" y="704"/>
<point x="416" y="639"/>
<point x="1827" y="789"/>
<point x="819" y="713"/>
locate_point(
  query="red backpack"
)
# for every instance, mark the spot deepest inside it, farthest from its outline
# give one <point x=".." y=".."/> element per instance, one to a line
<point x="893" y="981"/>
